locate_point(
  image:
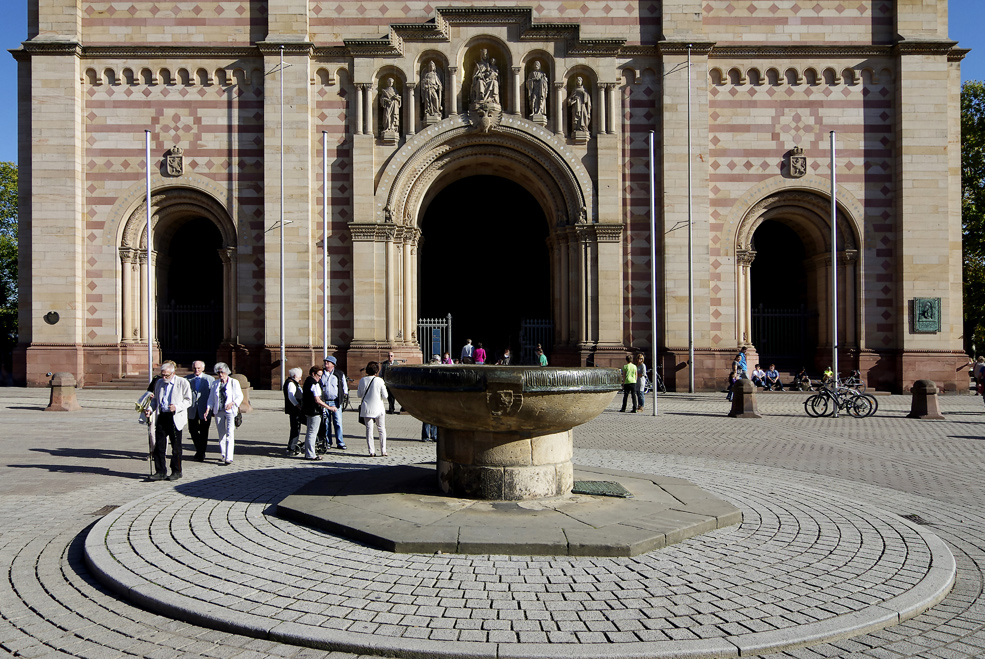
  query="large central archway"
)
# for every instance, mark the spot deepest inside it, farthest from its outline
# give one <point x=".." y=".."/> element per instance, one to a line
<point x="484" y="259"/>
<point x="389" y="248"/>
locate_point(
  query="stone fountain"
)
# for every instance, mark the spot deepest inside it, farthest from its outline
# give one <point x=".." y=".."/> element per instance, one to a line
<point x="503" y="481"/>
<point x="504" y="432"/>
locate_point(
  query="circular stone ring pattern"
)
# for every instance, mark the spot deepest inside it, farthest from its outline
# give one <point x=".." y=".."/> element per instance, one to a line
<point x="504" y="432"/>
<point x="805" y="566"/>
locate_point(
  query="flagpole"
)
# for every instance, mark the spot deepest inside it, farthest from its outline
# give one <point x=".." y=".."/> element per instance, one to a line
<point x="324" y="221"/>
<point x="653" y="272"/>
<point x="150" y="333"/>
<point x="834" y="264"/>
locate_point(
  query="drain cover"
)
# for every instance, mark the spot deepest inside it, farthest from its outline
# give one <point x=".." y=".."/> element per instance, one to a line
<point x="601" y="489"/>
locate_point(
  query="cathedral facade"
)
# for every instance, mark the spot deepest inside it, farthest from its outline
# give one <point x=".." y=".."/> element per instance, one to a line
<point x="487" y="165"/>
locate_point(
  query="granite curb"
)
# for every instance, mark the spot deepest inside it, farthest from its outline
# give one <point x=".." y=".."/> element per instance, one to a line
<point x="931" y="589"/>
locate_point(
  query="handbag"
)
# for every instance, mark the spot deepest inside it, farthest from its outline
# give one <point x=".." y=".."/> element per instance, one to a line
<point x="238" y="421"/>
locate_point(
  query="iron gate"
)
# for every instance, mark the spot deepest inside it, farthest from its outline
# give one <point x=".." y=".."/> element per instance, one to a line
<point x="189" y="331"/>
<point x="782" y="335"/>
<point x="532" y="333"/>
<point x="434" y="335"/>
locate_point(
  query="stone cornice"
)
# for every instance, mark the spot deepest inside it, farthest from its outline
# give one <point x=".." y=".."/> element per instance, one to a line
<point x="800" y="50"/>
<point x="290" y="47"/>
<point x="681" y="47"/>
<point x="33" y="48"/>
<point x="957" y="54"/>
<point x="925" y="47"/>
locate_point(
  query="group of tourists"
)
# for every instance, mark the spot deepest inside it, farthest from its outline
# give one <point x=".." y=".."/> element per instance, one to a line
<point x="194" y="400"/>
<point x="633" y="382"/>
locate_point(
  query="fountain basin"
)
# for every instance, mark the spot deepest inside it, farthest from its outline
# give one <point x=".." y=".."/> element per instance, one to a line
<point x="504" y="432"/>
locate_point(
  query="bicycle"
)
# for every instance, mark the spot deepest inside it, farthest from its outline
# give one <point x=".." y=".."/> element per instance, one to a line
<point x="830" y="398"/>
<point x="854" y="381"/>
<point x="660" y="384"/>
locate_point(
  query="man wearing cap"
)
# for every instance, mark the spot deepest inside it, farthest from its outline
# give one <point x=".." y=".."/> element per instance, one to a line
<point x="334" y="389"/>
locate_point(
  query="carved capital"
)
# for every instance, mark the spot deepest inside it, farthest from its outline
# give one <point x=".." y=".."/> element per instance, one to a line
<point x="745" y="257"/>
<point x="370" y="232"/>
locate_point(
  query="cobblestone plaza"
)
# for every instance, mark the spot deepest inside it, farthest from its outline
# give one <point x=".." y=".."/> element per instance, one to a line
<point x="853" y="532"/>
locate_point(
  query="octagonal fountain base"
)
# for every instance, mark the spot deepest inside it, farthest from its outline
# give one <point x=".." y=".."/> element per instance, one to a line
<point x="400" y="509"/>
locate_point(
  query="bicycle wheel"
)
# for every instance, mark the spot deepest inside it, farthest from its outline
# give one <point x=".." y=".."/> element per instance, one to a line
<point x="660" y="385"/>
<point x="860" y="407"/>
<point x="874" y="407"/>
<point x="816" y="405"/>
<point x="345" y="402"/>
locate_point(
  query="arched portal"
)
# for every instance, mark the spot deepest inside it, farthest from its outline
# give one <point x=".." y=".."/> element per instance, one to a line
<point x="192" y="275"/>
<point x="784" y="280"/>
<point x="585" y="298"/>
<point x="487" y="264"/>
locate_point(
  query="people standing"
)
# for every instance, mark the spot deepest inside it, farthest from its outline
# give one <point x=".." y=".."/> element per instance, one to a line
<point x="172" y="398"/>
<point x="373" y="393"/>
<point x="480" y="354"/>
<point x="541" y="357"/>
<point x="334" y="389"/>
<point x="292" y="408"/>
<point x="628" y="383"/>
<point x="734" y="376"/>
<point x="198" y="426"/>
<point x="741" y="357"/>
<point x="468" y="350"/>
<point x="224" y="401"/>
<point x="640" y="380"/>
<point x="384" y="370"/>
<point x="312" y="406"/>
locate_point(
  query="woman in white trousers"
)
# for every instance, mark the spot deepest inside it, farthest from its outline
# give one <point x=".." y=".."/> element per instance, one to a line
<point x="225" y="397"/>
<point x="373" y="393"/>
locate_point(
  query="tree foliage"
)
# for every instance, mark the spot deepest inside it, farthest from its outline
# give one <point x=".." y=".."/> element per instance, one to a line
<point x="973" y="211"/>
<point x="8" y="258"/>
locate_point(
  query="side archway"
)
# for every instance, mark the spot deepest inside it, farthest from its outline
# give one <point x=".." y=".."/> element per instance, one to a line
<point x="193" y="230"/>
<point x="787" y="234"/>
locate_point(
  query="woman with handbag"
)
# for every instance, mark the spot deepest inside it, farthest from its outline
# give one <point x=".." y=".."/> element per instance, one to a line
<point x="225" y="397"/>
<point x="372" y="409"/>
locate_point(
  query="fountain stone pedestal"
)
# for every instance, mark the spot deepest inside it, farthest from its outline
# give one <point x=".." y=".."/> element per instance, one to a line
<point x="504" y="432"/>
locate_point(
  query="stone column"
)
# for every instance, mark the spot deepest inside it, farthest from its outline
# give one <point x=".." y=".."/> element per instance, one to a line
<point x="408" y="310"/>
<point x="229" y="303"/>
<point x="608" y="238"/>
<point x="359" y="108"/>
<point x="409" y="105"/>
<point x="451" y="91"/>
<point x="143" y="299"/>
<point x="369" y="278"/>
<point x="613" y="107"/>
<point x="517" y="91"/>
<point x="743" y="307"/>
<point x="368" y="110"/>
<point x="391" y="286"/>
<point x="600" y="104"/>
<point x="126" y="291"/>
<point x="849" y="312"/>
<point x="556" y="108"/>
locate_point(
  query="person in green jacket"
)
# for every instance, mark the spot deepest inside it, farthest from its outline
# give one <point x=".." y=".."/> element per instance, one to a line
<point x="628" y="383"/>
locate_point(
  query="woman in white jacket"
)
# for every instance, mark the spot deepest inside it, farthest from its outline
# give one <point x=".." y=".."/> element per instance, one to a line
<point x="225" y="397"/>
<point x="373" y="393"/>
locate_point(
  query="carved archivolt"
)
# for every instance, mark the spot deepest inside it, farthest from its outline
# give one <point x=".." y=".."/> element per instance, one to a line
<point x="169" y="207"/>
<point x="805" y="212"/>
<point x="533" y="157"/>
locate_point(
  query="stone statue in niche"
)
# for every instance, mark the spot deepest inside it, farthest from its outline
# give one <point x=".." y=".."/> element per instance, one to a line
<point x="485" y="81"/>
<point x="580" y="102"/>
<point x="431" y="92"/>
<point x="390" y="104"/>
<point x="537" y="89"/>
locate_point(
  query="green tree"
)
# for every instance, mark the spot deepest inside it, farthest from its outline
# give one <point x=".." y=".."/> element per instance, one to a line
<point x="973" y="212"/>
<point x="8" y="261"/>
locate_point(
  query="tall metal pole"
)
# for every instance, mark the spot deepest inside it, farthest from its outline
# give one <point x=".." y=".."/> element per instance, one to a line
<point x="283" y="346"/>
<point x="834" y="263"/>
<point x="690" y="239"/>
<point x="653" y="271"/>
<point x="324" y="222"/>
<point x="150" y="315"/>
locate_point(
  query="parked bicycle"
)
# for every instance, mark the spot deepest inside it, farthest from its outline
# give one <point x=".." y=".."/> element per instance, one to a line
<point x="854" y="381"/>
<point x="830" y="398"/>
<point x="660" y="384"/>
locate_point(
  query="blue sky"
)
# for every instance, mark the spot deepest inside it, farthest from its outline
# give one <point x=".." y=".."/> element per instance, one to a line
<point x="967" y="19"/>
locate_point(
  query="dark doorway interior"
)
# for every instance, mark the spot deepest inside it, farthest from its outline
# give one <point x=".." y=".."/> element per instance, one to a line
<point x="190" y="311"/>
<point x="484" y="259"/>
<point x="784" y="321"/>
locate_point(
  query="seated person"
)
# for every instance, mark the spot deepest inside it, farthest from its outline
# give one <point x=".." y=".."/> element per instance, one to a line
<point x="828" y="375"/>
<point x="759" y="376"/>
<point x="773" y="379"/>
<point x="802" y="381"/>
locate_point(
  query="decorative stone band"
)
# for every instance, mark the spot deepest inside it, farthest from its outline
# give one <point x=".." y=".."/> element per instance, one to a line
<point x="525" y="379"/>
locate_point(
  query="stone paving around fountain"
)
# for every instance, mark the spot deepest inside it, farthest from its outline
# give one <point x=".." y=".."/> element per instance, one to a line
<point x="852" y="528"/>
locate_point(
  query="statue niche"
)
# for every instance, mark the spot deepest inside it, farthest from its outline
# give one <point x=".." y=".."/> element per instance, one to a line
<point x="432" y="90"/>
<point x="485" y="107"/>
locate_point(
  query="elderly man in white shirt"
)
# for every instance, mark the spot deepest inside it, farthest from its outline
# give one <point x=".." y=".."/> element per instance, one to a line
<point x="334" y="389"/>
<point x="172" y="397"/>
<point x="198" y="425"/>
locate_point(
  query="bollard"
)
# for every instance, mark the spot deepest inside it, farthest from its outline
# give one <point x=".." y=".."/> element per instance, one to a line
<point x="245" y="386"/>
<point x="62" y="394"/>
<point x="924" y="404"/>
<point x="744" y="401"/>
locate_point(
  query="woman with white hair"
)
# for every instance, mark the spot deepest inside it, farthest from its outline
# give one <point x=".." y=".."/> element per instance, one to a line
<point x="224" y="400"/>
<point x="292" y="408"/>
<point x="373" y="393"/>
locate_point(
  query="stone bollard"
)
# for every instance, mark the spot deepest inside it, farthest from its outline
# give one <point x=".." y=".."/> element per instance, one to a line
<point x="924" y="404"/>
<point x="245" y="386"/>
<point x="63" y="394"/>
<point x="744" y="401"/>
